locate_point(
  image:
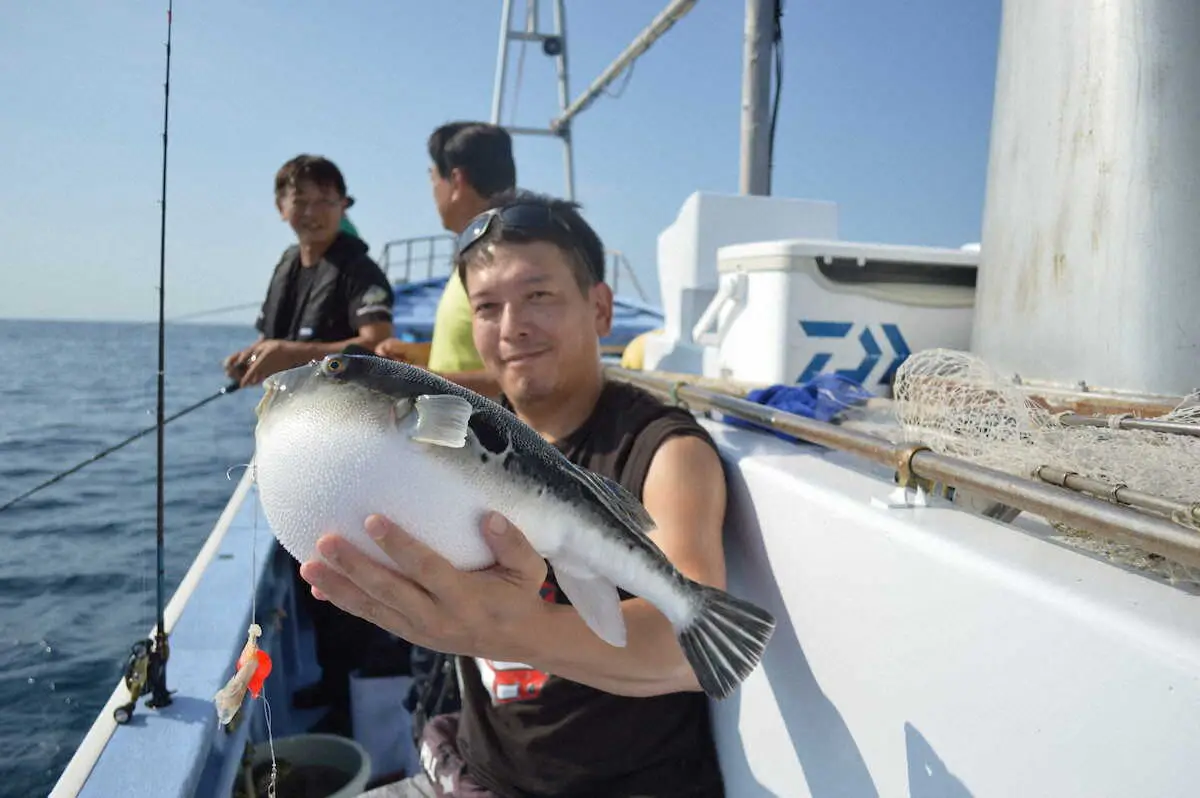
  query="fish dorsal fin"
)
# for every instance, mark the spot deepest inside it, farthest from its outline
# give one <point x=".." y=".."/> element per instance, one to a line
<point x="623" y="504"/>
<point x="442" y="420"/>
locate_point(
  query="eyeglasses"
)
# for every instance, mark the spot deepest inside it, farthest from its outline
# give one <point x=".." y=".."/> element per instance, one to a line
<point x="535" y="221"/>
<point x="319" y="204"/>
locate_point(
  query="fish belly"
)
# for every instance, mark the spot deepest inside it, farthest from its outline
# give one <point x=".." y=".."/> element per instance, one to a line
<point x="315" y="480"/>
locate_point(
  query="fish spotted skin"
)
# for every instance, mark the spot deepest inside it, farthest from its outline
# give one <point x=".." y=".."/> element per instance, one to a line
<point x="593" y="532"/>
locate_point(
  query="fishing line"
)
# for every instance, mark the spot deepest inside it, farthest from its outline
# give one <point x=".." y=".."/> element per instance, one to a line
<point x="271" y="745"/>
<point x="254" y="619"/>
<point x="233" y="386"/>
<point x="254" y="559"/>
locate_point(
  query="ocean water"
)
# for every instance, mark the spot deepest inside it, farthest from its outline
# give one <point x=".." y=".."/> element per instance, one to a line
<point x="77" y="573"/>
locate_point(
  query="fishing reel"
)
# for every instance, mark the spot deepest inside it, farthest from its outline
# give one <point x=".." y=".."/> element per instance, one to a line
<point x="145" y="671"/>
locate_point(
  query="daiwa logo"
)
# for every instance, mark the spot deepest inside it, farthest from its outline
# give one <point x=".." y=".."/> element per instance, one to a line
<point x="872" y="351"/>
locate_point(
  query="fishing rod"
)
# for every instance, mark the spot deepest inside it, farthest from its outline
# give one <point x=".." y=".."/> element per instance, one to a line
<point x="157" y="675"/>
<point x="230" y="388"/>
<point x="196" y="314"/>
<point x="146" y="668"/>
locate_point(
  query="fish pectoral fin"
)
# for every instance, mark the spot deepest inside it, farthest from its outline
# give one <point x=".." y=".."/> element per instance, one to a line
<point x="595" y="599"/>
<point x="442" y="420"/>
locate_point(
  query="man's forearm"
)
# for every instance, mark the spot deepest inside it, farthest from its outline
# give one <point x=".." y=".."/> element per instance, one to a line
<point x="651" y="662"/>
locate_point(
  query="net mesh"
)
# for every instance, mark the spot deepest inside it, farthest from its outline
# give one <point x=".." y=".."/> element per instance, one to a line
<point x="957" y="405"/>
<point x="954" y="403"/>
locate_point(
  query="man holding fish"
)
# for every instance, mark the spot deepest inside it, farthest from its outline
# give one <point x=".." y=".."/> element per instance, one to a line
<point x="560" y="695"/>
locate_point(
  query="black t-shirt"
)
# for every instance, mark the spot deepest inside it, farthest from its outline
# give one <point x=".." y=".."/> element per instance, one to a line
<point x="524" y="733"/>
<point x="298" y="286"/>
<point x="329" y="300"/>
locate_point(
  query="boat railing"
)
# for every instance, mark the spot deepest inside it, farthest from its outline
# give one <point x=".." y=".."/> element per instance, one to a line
<point x="1104" y="510"/>
<point x="425" y="257"/>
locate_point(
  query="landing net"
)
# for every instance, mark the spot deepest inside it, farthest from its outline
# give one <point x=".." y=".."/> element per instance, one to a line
<point x="957" y="405"/>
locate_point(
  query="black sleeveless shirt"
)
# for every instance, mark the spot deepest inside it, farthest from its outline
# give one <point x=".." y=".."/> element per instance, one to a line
<point x="525" y="733"/>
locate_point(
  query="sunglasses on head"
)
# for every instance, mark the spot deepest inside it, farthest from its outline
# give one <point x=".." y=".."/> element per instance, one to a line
<point x="536" y="221"/>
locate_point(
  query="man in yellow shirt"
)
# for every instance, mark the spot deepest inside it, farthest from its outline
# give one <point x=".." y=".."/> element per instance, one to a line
<point x="472" y="162"/>
<point x="452" y="347"/>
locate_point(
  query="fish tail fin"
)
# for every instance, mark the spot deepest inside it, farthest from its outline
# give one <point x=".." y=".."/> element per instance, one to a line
<point x="725" y="639"/>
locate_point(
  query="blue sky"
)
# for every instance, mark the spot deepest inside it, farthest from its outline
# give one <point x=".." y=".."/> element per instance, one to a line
<point x="886" y="110"/>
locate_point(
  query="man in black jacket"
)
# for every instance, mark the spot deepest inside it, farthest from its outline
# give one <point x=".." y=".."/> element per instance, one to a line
<point x="326" y="293"/>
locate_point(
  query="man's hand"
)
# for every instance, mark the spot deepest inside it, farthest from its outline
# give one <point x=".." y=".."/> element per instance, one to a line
<point x="404" y="351"/>
<point x="424" y="599"/>
<point x="269" y="356"/>
<point x="235" y="364"/>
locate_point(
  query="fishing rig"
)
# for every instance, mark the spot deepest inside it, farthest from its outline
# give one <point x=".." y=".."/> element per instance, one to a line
<point x="146" y="669"/>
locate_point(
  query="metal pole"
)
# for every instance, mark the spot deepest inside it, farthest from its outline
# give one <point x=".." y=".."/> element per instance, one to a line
<point x="560" y="30"/>
<point x="756" y="98"/>
<point x="1113" y="521"/>
<point x="661" y="24"/>
<point x="501" y="62"/>
<point x="1147" y="424"/>
<point x="1120" y="494"/>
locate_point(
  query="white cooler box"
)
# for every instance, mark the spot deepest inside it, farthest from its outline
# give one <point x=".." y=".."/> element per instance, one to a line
<point x="786" y="311"/>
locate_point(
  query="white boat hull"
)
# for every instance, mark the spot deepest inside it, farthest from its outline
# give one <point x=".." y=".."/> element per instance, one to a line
<point x="925" y="651"/>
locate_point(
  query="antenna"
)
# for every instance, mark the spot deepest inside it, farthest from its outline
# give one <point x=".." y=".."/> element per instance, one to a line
<point x="553" y="45"/>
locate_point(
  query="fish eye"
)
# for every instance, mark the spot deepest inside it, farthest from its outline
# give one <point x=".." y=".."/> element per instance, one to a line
<point x="334" y="365"/>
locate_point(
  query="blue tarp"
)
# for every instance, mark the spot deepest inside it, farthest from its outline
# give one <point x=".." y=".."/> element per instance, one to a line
<point x="821" y="398"/>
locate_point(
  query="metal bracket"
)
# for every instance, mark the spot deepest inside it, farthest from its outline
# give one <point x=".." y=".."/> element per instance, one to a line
<point x="1191" y="518"/>
<point x="904" y="473"/>
<point x="673" y="395"/>
<point x="911" y="490"/>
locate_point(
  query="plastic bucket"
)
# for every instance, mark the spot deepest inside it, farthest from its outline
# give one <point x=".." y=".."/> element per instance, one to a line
<point x="318" y="751"/>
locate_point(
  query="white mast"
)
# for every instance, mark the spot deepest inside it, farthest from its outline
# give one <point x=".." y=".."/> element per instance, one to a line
<point x="755" y="175"/>
<point x="1090" y="267"/>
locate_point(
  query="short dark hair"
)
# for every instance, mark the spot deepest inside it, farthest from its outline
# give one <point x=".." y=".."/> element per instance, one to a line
<point x="575" y="237"/>
<point x="314" y="168"/>
<point x="482" y="151"/>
